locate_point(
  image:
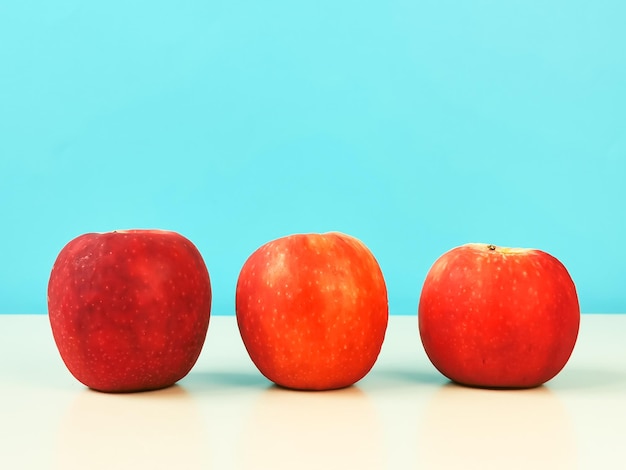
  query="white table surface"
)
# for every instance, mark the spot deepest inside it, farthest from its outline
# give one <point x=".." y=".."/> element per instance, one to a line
<point x="225" y="415"/>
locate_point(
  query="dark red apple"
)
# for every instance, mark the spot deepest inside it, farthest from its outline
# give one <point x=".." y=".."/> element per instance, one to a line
<point x="312" y="310"/>
<point x="498" y="317"/>
<point x="129" y="309"/>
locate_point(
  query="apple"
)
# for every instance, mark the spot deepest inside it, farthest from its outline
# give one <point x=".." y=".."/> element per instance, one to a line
<point x="498" y="317"/>
<point x="129" y="309"/>
<point x="312" y="310"/>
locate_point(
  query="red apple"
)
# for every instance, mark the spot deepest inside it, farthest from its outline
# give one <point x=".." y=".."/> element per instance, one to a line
<point x="498" y="317"/>
<point x="129" y="310"/>
<point x="312" y="310"/>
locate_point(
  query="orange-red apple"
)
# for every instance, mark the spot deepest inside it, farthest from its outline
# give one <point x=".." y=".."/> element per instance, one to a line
<point x="312" y="310"/>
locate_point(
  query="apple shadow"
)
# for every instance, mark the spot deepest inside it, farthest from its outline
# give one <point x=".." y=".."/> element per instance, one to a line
<point x="569" y="379"/>
<point x="217" y="380"/>
<point x="587" y="379"/>
<point x="401" y="376"/>
<point x="172" y="390"/>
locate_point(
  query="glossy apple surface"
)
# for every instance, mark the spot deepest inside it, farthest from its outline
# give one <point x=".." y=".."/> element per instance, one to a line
<point x="312" y="310"/>
<point x="498" y="317"/>
<point x="129" y="310"/>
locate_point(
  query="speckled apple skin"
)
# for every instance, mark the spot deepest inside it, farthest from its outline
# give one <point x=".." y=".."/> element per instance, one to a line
<point x="129" y="310"/>
<point x="312" y="310"/>
<point x="498" y="317"/>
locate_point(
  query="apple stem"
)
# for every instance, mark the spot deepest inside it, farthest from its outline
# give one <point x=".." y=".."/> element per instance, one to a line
<point x="492" y="247"/>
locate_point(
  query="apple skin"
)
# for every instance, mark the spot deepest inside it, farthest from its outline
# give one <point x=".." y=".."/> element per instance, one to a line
<point x="130" y="309"/>
<point x="312" y="310"/>
<point x="498" y="317"/>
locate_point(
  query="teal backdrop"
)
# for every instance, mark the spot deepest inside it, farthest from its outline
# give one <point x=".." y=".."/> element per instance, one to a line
<point x="415" y="126"/>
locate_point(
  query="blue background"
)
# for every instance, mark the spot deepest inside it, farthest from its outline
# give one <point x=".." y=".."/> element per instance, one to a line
<point x="414" y="126"/>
